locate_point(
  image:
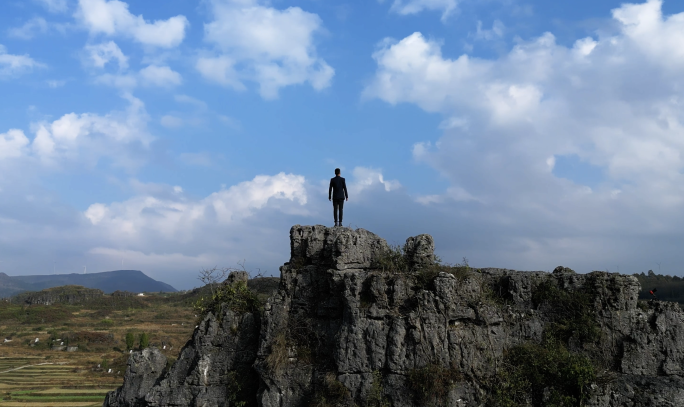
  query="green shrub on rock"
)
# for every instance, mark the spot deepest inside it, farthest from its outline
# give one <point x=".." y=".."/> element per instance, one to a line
<point x="236" y="296"/>
<point x="332" y="393"/>
<point x="431" y="384"/>
<point x="144" y="340"/>
<point x="376" y="396"/>
<point x="393" y="260"/>
<point x="542" y="375"/>
<point x="130" y="340"/>
<point x="571" y="313"/>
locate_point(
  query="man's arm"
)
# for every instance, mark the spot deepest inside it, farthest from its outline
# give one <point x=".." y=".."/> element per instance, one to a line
<point x="330" y="189"/>
<point x="344" y="186"/>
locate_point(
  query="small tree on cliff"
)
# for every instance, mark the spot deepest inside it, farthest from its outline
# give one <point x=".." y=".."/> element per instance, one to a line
<point x="144" y="340"/>
<point x="130" y="340"/>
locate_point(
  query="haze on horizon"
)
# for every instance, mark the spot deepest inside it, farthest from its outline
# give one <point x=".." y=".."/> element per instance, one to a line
<point x="520" y="134"/>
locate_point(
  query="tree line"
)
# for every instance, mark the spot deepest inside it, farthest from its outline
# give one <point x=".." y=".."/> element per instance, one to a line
<point x="669" y="288"/>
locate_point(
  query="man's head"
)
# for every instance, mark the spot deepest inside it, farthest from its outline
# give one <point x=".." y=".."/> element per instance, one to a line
<point x="337" y="171"/>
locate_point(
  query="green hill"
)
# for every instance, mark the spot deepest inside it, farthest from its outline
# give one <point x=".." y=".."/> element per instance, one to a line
<point x="109" y="281"/>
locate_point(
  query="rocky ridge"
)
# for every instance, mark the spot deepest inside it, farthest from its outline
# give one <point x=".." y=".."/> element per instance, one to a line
<point x="355" y="324"/>
<point x="68" y="294"/>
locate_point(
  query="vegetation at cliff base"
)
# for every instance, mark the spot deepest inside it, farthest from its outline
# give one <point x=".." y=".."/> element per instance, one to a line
<point x="376" y="395"/>
<point x="331" y="393"/>
<point x="431" y="384"/>
<point x="545" y="375"/>
<point x="548" y="374"/>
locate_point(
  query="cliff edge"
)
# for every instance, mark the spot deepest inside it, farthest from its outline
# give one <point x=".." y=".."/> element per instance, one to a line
<point x="357" y="323"/>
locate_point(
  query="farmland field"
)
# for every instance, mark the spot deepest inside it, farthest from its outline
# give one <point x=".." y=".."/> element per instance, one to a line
<point x="42" y="373"/>
<point x="33" y="381"/>
<point x="36" y="370"/>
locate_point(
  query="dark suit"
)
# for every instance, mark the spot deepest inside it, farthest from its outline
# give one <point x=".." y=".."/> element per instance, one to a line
<point x="338" y="192"/>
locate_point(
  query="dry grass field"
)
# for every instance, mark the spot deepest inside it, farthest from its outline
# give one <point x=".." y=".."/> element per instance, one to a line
<point x="35" y="374"/>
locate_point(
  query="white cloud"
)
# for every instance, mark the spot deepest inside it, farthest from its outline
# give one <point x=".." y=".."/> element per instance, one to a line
<point x="497" y="31"/>
<point x="190" y="100"/>
<point x="101" y="54"/>
<point x="87" y="137"/>
<point x="54" y="83"/>
<point x="258" y="43"/>
<point x="123" y="81"/>
<point x="615" y="101"/>
<point x="364" y="178"/>
<point x="13" y="143"/>
<point x="404" y="7"/>
<point x="54" y="6"/>
<point x="179" y="219"/>
<point x="30" y="29"/>
<point x="171" y="121"/>
<point x="11" y="65"/>
<point x="113" y="18"/>
<point x="220" y="69"/>
<point x="159" y="76"/>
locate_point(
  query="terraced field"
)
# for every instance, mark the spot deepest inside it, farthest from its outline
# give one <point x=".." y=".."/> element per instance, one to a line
<point x="37" y="382"/>
<point x="36" y="370"/>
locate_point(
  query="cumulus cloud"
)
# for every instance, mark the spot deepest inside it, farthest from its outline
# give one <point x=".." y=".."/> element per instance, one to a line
<point x="87" y="137"/>
<point x="614" y="101"/>
<point x="162" y="76"/>
<point x="11" y="65"/>
<point x="364" y="177"/>
<point x="123" y="81"/>
<point x="170" y="121"/>
<point x="101" y="54"/>
<point x="161" y="229"/>
<point x="13" y="143"/>
<point x="259" y="43"/>
<point x="497" y="31"/>
<point x="405" y="7"/>
<point x="54" y="6"/>
<point x="113" y="18"/>
<point x="29" y="29"/>
<point x="173" y="218"/>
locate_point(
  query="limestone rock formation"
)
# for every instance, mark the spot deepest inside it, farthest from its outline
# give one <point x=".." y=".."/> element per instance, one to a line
<point x="142" y="371"/>
<point x="343" y="329"/>
<point x="68" y="294"/>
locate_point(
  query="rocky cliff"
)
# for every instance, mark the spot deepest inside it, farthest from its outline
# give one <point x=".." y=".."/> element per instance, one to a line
<point x="357" y="323"/>
<point x="68" y="294"/>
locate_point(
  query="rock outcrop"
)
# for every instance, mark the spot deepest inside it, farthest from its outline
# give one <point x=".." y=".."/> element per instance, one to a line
<point x="354" y="323"/>
<point x="68" y="294"/>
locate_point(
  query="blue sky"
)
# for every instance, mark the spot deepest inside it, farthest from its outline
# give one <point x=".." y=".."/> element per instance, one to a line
<point x="179" y="135"/>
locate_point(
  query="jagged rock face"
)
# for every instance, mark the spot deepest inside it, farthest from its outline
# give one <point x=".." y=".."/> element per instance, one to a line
<point x="142" y="372"/>
<point x="335" y="319"/>
<point x="199" y="376"/>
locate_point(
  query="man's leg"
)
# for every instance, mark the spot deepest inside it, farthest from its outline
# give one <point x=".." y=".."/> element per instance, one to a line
<point x="341" y="210"/>
<point x="335" y="208"/>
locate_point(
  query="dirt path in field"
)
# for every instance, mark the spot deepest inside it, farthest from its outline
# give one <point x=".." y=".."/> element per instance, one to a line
<point x="38" y="364"/>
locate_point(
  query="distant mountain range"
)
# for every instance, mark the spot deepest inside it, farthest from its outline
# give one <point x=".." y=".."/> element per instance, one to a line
<point x="109" y="281"/>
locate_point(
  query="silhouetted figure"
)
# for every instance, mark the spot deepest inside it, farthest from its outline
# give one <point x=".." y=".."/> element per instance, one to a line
<point x="337" y="193"/>
<point x="652" y="292"/>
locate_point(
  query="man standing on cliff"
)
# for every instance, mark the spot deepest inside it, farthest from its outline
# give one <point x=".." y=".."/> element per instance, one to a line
<point x="337" y="193"/>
